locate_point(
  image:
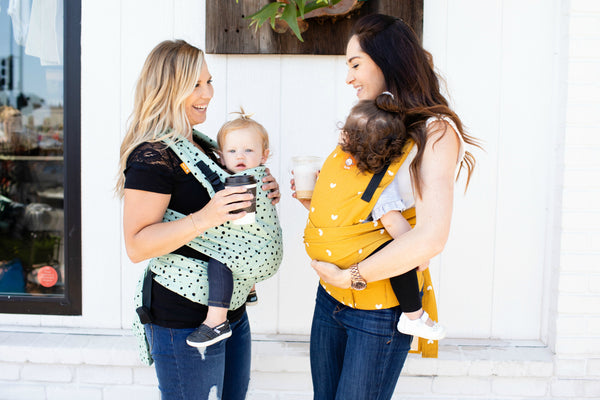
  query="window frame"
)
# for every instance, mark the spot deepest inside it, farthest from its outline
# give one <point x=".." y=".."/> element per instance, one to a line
<point x="70" y="302"/>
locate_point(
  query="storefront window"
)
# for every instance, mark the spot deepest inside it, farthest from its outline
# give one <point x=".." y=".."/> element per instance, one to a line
<point x="39" y="157"/>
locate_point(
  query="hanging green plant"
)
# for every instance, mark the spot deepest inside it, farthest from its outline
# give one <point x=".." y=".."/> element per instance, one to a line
<point x="291" y="14"/>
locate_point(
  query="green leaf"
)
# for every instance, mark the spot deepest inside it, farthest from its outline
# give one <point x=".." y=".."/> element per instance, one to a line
<point x="269" y="11"/>
<point x="290" y="16"/>
<point x="301" y="4"/>
<point x="313" y="5"/>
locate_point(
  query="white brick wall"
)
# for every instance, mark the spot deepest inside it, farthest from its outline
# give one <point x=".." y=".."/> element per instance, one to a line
<point x="72" y="366"/>
<point x="280" y="370"/>
<point x="577" y="319"/>
<point x="73" y="392"/>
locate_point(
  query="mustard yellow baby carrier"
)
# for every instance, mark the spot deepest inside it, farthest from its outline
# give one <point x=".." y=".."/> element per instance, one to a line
<point x="338" y="232"/>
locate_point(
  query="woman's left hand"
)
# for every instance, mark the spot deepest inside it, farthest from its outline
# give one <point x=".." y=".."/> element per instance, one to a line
<point x="272" y="186"/>
<point x="332" y="274"/>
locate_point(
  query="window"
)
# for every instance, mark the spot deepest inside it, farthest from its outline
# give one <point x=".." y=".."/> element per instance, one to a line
<point x="40" y="221"/>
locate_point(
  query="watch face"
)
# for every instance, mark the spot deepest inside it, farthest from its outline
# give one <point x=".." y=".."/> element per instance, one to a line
<point x="359" y="285"/>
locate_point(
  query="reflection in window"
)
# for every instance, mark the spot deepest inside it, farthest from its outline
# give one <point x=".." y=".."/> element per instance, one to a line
<point x="31" y="148"/>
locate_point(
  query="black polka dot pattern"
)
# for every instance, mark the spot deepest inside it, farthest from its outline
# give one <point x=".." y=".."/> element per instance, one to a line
<point x="138" y="328"/>
<point x="252" y="252"/>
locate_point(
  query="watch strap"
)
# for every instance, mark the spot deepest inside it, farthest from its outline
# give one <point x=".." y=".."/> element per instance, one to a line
<point x="358" y="282"/>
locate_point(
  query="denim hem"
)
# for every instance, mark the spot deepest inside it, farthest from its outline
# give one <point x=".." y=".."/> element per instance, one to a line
<point x="220" y="304"/>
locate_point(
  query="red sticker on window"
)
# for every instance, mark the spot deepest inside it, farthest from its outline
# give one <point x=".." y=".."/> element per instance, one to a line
<point x="47" y="276"/>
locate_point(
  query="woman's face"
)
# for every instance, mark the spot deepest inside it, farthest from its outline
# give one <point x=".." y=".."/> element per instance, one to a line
<point x="363" y="74"/>
<point x="197" y="102"/>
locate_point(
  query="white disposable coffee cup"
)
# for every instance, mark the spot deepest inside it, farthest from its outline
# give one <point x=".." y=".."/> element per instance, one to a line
<point x="306" y="169"/>
<point x="249" y="183"/>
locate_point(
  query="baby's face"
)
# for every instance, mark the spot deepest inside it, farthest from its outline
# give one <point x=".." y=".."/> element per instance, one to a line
<point x="243" y="149"/>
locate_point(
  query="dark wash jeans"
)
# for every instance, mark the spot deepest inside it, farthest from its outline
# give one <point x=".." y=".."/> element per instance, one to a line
<point x="220" y="284"/>
<point x="220" y="371"/>
<point x="355" y="354"/>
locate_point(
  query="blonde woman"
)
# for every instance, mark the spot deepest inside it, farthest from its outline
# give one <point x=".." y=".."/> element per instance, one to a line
<point x="169" y="208"/>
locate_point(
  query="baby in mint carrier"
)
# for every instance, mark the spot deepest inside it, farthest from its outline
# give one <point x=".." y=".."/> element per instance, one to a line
<point x="243" y="148"/>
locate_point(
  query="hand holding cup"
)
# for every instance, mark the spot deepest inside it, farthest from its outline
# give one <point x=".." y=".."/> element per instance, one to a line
<point x="305" y="171"/>
<point x="249" y="183"/>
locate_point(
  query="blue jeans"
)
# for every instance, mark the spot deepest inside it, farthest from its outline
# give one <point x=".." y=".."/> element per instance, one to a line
<point x="221" y="370"/>
<point x="355" y="354"/>
<point x="220" y="284"/>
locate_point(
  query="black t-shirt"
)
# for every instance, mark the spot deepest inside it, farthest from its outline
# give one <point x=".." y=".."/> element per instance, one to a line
<point x="154" y="167"/>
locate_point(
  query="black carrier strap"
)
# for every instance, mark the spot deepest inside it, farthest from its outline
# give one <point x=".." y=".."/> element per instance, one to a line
<point x="144" y="311"/>
<point x="211" y="176"/>
<point x="373" y="184"/>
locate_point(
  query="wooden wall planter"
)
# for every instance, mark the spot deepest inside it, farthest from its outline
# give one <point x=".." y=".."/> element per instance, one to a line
<point x="227" y="31"/>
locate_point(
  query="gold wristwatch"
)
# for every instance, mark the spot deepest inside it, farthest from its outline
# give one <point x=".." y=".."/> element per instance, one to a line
<point x="358" y="282"/>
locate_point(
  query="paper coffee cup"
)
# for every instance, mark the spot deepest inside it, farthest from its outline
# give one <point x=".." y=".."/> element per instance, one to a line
<point x="305" y="170"/>
<point x="249" y="183"/>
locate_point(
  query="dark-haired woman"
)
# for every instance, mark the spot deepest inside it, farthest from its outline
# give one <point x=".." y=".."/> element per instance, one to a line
<point x="356" y="350"/>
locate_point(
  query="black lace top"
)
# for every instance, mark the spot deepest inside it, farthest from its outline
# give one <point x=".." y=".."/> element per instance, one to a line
<point x="154" y="167"/>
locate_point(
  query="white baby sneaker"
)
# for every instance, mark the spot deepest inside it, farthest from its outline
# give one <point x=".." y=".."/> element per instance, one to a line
<point x="418" y="327"/>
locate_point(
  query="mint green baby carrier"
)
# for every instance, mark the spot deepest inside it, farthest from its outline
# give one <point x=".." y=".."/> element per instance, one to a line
<point x="252" y="252"/>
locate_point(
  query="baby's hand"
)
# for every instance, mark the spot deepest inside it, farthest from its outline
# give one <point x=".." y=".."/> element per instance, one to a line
<point x="272" y="186"/>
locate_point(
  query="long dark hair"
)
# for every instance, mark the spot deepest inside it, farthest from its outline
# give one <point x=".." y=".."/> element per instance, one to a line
<point x="411" y="79"/>
<point x="374" y="133"/>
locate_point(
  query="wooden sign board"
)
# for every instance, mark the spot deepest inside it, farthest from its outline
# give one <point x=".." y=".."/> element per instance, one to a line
<point x="228" y="32"/>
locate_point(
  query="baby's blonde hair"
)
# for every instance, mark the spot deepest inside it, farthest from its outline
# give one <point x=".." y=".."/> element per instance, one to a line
<point x="242" y="122"/>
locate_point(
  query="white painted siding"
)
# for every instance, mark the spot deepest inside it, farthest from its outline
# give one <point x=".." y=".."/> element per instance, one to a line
<point x="499" y="59"/>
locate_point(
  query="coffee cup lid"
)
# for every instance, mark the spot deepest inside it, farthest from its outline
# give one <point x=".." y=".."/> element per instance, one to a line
<point x="239" y="180"/>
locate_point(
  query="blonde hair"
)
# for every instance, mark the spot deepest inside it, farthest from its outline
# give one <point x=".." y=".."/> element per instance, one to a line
<point x="241" y="122"/>
<point x="168" y="78"/>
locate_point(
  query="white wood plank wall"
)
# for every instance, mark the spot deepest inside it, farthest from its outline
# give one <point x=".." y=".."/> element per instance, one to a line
<point x="499" y="58"/>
